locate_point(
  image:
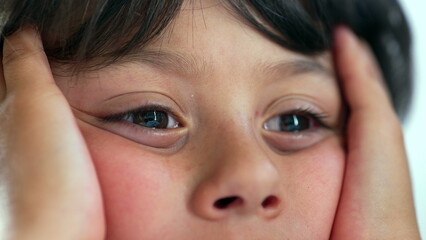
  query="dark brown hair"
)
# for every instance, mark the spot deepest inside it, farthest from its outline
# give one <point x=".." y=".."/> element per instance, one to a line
<point x="80" y="31"/>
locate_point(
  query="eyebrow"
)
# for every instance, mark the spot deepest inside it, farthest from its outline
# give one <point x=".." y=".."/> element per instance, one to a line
<point x="169" y="61"/>
<point x="295" y="67"/>
<point x="172" y="61"/>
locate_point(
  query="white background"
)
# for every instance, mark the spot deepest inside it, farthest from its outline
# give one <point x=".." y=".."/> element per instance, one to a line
<point x="415" y="126"/>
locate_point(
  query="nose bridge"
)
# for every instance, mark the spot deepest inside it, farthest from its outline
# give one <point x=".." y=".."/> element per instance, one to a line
<point x="241" y="178"/>
<point x="239" y="155"/>
<point x="244" y="166"/>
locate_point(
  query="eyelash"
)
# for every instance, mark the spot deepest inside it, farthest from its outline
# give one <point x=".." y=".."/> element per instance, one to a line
<point x="118" y="117"/>
<point x="314" y="115"/>
<point x="296" y="121"/>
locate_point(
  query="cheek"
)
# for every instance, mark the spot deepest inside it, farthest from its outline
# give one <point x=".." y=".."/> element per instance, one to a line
<point x="135" y="184"/>
<point x="141" y="189"/>
<point x="314" y="184"/>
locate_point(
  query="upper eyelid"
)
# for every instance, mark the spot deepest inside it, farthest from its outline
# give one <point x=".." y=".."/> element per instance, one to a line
<point x="303" y="111"/>
<point x="320" y="115"/>
<point x="134" y="100"/>
<point x="294" y="102"/>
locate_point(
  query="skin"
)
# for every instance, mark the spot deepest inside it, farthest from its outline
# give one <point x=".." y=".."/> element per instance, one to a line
<point x="220" y="150"/>
<point x="376" y="200"/>
<point x="46" y="173"/>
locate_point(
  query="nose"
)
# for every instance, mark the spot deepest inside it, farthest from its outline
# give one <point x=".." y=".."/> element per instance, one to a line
<point x="243" y="181"/>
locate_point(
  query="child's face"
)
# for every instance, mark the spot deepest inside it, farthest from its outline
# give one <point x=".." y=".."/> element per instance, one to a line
<point x="242" y="156"/>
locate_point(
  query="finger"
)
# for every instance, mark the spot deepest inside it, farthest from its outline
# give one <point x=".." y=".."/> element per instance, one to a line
<point x="361" y="79"/>
<point x="372" y="121"/>
<point x="25" y="64"/>
<point x="376" y="195"/>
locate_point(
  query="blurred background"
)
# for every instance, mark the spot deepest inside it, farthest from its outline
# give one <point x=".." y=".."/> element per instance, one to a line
<point x="415" y="126"/>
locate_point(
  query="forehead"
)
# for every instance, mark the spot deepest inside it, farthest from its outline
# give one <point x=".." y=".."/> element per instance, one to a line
<point x="209" y="34"/>
<point x="209" y="28"/>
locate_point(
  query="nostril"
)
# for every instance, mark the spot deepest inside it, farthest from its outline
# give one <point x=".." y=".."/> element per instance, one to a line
<point x="226" y="202"/>
<point x="270" y="202"/>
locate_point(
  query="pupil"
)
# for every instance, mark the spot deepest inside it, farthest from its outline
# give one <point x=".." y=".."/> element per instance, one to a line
<point x="294" y="123"/>
<point x="152" y="119"/>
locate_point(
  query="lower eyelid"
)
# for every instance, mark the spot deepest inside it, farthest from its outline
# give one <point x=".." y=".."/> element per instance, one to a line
<point x="294" y="141"/>
<point x="158" y="138"/>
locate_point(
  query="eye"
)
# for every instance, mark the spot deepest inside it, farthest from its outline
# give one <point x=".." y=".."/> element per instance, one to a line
<point x="151" y="125"/>
<point x="294" y="122"/>
<point x="288" y="123"/>
<point x="296" y="130"/>
<point x="155" y="119"/>
<point x="152" y="117"/>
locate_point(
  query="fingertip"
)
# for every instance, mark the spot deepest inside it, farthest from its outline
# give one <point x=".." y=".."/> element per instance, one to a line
<point x="358" y="72"/>
<point x="354" y="55"/>
<point x="345" y="53"/>
<point x="25" y="39"/>
<point x="25" y="64"/>
<point x="343" y="38"/>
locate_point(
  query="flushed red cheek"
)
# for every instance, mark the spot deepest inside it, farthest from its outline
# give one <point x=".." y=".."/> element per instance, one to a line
<point x="134" y="182"/>
<point x="315" y="183"/>
<point x="141" y="193"/>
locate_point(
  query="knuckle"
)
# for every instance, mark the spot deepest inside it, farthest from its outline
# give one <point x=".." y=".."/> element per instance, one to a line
<point x="13" y="55"/>
<point x="18" y="55"/>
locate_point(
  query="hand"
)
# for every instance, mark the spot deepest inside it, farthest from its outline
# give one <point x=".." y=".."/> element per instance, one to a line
<point x="376" y="200"/>
<point x="45" y="167"/>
